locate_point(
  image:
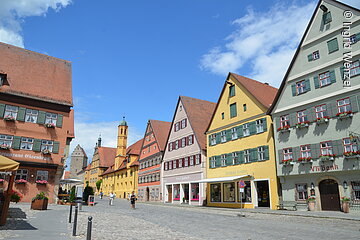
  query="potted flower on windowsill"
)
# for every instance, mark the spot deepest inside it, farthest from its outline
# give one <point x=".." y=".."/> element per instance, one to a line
<point x="41" y="182"/>
<point x="305" y="159"/>
<point x="352" y="154"/>
<point x="39" y="202"/>
<point x="324" y="119"/>
<point x="9" y="118"/>
<point x="311" y="201"/>
<point x="302" y="124"/>
<point x="21" y="181"/>
<point x="2" y="180"/>
<point x="343" y="115"/>
<point x="345" y="202"/>
<point x="50" y="125"/>
<point x="287" y="161"/>
<point x="327" y="157"/>
<point x="46" y="151"/>
<point x="4" y="146"/>
<point x="284" y="128"/>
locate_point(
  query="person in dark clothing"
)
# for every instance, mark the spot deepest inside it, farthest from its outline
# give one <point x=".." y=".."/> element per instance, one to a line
<point x="132" y="200"/>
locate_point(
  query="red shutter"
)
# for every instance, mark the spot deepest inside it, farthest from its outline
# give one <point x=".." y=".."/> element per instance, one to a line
<point x="199" y="158"/>
<point x="175" y="127"/>
<point x="179" y="143"/>
<point x="185" y="122"/>
<point x="177" y="163"/>
<point x="188" y="159"/>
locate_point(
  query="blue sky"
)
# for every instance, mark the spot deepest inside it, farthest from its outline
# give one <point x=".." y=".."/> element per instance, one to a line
<point x="134" y="58"/>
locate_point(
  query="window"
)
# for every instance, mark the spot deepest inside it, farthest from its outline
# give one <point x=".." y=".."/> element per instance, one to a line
<point x="354" y="68"/>
<point x="191" y="160"/>
<point x="170" y="165"/>
<point x="197" y="159"/>
<point x="247" y="155"/>
<point x="233" y="134"/>
<point x="301" y="192"/>
<point x="212" y="162"/>
<point x="223" y="160"/>
<point x="191" y="139"/>
<point x="11" y="112"/>
<point x="288" y="155"/>
<point x="47" y="145"/>
<point x="244" y="107"/>
<point x="321" y="111"/>
<point x="233" y="112"/>
<point x="195" y="191"/>
<point x="50" y="118"/>
<point x="186" y="162"/>
<point x="327" y="17"/>
<point x="223" y="136"/>
<point x="333" y="45"/>
<point x="170" y="147"/>
<point x="26" y="143"/>
<point x="343" y="105"/>
<point x="300" y="87"/>
<point x="215" y="192"/>
<point x="229" y="192"/>
<point x="349" y="146"/>
<point x="6" y="140"/>
<point x="353" y="39"/>
<point x="183" y="142"/>
<point x="31" y="115"/>
<point x="176" y="144"/>
<point x="259" y="126"/>
<point x="284" y="121"/>
<point x="175" y="164"/>
<point x="3" y="80"/>
<point x="261" y="153"/>
<point x="234" y="157"/>
<point x="177" y="127"/>
<point x="42" y="175"/>
<point x="21" y="174"/>
<point x="232" y="91"/>
<point x="326" y="148"/>
<point x="301" y="116"/>
<point x="213" y="139"/>
<point x="222" y="115"/>
<point x="355" y="190"/>
<point x="166" y="166"/>
<point x="324" y="79"/>
<point x="246" y="196"/>
<point x="305" y="151"/>
<point x="183" y="123"/>
<point x="315" y="55"/>
<point x="246" y="130"/>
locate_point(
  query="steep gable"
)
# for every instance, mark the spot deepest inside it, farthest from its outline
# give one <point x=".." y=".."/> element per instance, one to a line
<point x="161" y="132"/>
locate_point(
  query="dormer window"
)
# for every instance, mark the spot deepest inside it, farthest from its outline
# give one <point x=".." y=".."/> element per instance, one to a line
<point x="3" y="79"/>
<point x="327" y="17"/>
<point x="232" y="91"/>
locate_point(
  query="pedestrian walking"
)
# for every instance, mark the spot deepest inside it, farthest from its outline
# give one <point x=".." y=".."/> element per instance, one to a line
<point x="111" y="198"/>
<point x="101" y="195"/>
<point x="132" y="200"/>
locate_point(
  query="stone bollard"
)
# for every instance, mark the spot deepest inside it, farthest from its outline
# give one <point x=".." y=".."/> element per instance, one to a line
<point x="88" y="235"/>
<point x="75" y="220"/>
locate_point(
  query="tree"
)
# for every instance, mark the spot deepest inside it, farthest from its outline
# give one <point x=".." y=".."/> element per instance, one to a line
<point x="87" y="192"/>
<point x="98" y="184"/>
<point x="72" y="194"/>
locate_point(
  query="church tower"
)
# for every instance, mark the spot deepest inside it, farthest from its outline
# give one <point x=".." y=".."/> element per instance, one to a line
<point x="121" y="143"/>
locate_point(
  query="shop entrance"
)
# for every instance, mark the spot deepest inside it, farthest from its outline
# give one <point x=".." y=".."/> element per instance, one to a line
<point x="329" y="194"/>
<point x="186" y="193"/>
<point x="263" y="193"/>
<point x="147" y="194"/>
<point x="169" y="188"/>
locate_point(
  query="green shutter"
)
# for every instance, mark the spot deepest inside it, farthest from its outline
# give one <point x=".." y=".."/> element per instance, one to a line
<point x="233" y="112"/>
<point x="342" y="72"/>
<point x="59" y="120"/>
<point x="218" y="161"/>
<point x="241" y="157"/>
<point x="266" y="152"/>
<point x="228" y="135"/>
<point x="357" y="37"/>
<point x="333" y="45"/>
<point x="307" y="85"/>
<point x="16" y="142"/>
<point x="209" y="139"/>
<point x="229" y="160"/>
<point x="264" y="124"/>
<point x="56" y="147"/>
<point x="21" y="114"/>
<point x="240" y="132"/>
<point x="310" y="57"/>
<point x="332" y="76"/>
<point x="252" y="128"/>
<point x="41" y="117"/>
<point x="327" y="17"/>
<point x="316" y="82"/>
<point x="293" y="89"/>
<point x="37" y="145"/>
<point x="218" y="138"/>
<point x="2" y="110"/>
<point x="354" y="104"/>
<point x="253" y="155"/>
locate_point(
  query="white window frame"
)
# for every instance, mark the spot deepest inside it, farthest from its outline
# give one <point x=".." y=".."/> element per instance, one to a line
<point x="326" y="148"/>
<point x="247" y="155"/>
<point x="234" y="157"/>
<point x="197" y="159"/>
<point x="301" y="116"/>
<point x="21" y="174"/>
<point x="51" y="118"/>
<point x="31" y="115"/>
<point x="300" y="87"/>
<point x="223" y="136"/>
<point x="42" y="175"/>
<point x="6" y="140"/>
<point x="191" y="160"/>
<point x="324" y="79"/>
<point x="305" y="151"/>
<point x="183" y="123"/>
<point x="259" y="126"/>
<point x="349" y="146"/>
<point x="246" y="130"/>
<point x="261" y="153"/>
<point x="186" y="159"/>
<point x="26" y="143"/>
<point x="316" y="55"/>
<point x="234" y="134"/>
<point x="11" y="111"/>
<point x="284" y="121"/>
<point x="213" y="162"/>
<point x="301" y="191"/>
<point x="223" y="160"/>
<point x="355" y="68"/>
<point x="213" y="139"/>
<point x="321" y="111"/>
<point x="288" y="154"/>
<point x="47" y="145"/>
<point x="190" y="139"/>
<point x="343" y="105"/>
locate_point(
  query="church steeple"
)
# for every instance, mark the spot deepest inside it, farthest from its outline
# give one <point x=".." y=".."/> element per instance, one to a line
<point x="121" y="142"/>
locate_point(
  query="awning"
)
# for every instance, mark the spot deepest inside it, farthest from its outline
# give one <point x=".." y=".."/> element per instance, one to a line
<point x="7" y="165"/>
<point x="223" y="179"/>
<point x="70" y="180"/>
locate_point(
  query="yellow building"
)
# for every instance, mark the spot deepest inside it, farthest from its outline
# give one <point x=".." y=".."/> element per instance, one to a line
<point x="122" y="176"/>
<point x="240" y="147"/>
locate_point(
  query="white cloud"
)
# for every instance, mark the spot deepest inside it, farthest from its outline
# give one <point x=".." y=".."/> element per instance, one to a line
<point x="86" y="134"/>
<point x="264" y="41"/>
<point x="13" y="13"/>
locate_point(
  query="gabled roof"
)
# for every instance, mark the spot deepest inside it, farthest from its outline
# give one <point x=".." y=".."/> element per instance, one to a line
<point x="106" y="156"/>
<point x="199" y="114"/>
<point x="135" y="148"/>
<point x="283" y="83"/>
<point x="264" y="93"/>
<point x="161" y="131"/>
<point x="109" y="170"/>
<point x="88" y="167"/>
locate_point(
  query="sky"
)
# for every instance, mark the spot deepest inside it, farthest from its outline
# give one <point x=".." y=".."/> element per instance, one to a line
<point x="135" y="58"/>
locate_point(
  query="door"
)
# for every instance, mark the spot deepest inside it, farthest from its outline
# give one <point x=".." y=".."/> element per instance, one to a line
<point x="169" y="193"/>
<point x="329" y="194"/>
<point x="147" y="194"/>
<point x="263" y="193"/>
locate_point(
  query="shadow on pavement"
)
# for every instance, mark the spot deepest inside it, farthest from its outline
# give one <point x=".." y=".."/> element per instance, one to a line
<point x="17" y="221"/>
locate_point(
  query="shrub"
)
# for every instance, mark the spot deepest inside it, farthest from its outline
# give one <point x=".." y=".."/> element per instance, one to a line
<point x="40" y="196"/>
<point x="98" y="184"/>
<point x="87" y="192"/>
<point x="72" y="194"/>
<point x="15" y="196"/>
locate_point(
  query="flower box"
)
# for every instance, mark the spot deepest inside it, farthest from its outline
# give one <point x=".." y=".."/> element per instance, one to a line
<point x="4" y="146"/>
<point x="42" y="182"/>
<point x="46" y="151"/>
<point x="344" y="115"/>
<point x="305" y="160"/>
<point x="21" y="181"/>
<point x="284" y="129"/>
<point x="39" y="204"/>
<point x="302" y="124"/>
<point x="352" y="154"/>
<point x="329" y="157"/>
<point x="49" y="125"/>
<point x="287" y="162"/>
<point x="9" y="118"/>
<point x="322" y="120"/>
<point x="176" y="199"/>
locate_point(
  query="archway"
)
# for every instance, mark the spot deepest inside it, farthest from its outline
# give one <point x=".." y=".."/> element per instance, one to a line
<point x="329" y="194"/>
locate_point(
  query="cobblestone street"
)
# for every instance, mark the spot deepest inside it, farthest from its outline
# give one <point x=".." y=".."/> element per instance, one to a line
<point x="158" y="221"/>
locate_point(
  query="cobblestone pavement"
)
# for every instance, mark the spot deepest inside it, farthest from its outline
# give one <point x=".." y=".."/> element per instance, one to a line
<point x="159" y="221"/>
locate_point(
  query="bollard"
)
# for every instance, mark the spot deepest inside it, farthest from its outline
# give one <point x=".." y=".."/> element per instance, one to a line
<point x="75" y="220"/>
<point x="88" y="235"/>
<point x="70" y="213"/>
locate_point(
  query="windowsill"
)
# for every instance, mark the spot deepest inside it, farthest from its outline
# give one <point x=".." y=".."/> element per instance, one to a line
<point x="333" y="51"/>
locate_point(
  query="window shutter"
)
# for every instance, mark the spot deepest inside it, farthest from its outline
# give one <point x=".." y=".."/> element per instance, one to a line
<point x="293" y="119"/>
<point x="228" y="135"/>
<point x="354" y="103"/>
<point x="199" y="158"/>
<point x="252" y="128"/>
<point x="342" y="72"/>
<point x="2" y="110"/>
<point x="332" y="76"/>
<point x="37" y="145"/>
<point x="218" y="161"/>
<point x="239" y="130"/>
<point x="229" y="160"/>
<point x="310" y="113"/>
<point x="233" y="111"/>
<point x="21" y="114"/>
<point x="41" y="117"/>
<point x="316" y="81"/>
<point x="280" y="155"/>
<point x="296" y="153"/>
<point x="333" y="45"/>
<point x="59" y="120"/>
<point x="310" y="57"/>
<point x="241" y="157"/>
<point x="277" y="122"/>
<point x="293" y="89"/>
<point x="16" y="142"/>
<point x="333" y="109"/>
<point x="253" y="154"/>
<point x="209" y="140"/>
<point x="266" y="152"/>
<point x="307" y="85"/>
<point x="336" y="147"/>
<point x="56" y="147"/>
<point x="264" y="124"/>
<point x="218" y="138"/>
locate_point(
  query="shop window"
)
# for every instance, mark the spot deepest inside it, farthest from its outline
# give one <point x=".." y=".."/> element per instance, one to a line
<point x="42" y="175"/>
<point x="223" y="136"/>
<point x="343" y="105"/>
<point x="51" y="118"/>
<point x="215" y="192"/>
<point x="326" y="148"/>
<point x="195" y="192"/>
<point x="301" y="192"/>
<point x="27" y="143"/>
<point x="31" y="115"/>
<point x="11" y="112"/>
<point x="176" y="192"/>
<point x="6" y="141"/>
<point x="21" y="174"/>
<point x="229" y="192"/>
<point x="246" y="195"/>
<point x="349" y="146"/>
<point x="355" y="185"/>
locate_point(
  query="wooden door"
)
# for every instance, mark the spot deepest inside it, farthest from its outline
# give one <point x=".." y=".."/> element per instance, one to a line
<point x="169" y="194"/>
<point x="329" y="193"/>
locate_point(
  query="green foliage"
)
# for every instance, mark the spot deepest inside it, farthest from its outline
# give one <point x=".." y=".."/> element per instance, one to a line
<point x="98" y="184"/>
<point x="40" y="196"/>
<point x="87" y="191"/>
<point x="72" y="194"/>
<point x="15" y="196"/>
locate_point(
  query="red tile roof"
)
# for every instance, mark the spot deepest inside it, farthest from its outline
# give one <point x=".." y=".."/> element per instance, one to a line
<point x="135" y="163"/>
<point x="109" y="170"/>
<point x="264" y="93"/>
<point x="135" y="148"/>
<point x="161" y="131"/>
<point x="106" y="156"/>
<point x="88" y="167"/>
<point x="199" y="113"/>
<point x="67" y="175"/>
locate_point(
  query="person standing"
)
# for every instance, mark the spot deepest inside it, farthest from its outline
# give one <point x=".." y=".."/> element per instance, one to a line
<point x="132" y="200"/>
<point x="101" y="195"/>
<point x="111" y="196"/>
